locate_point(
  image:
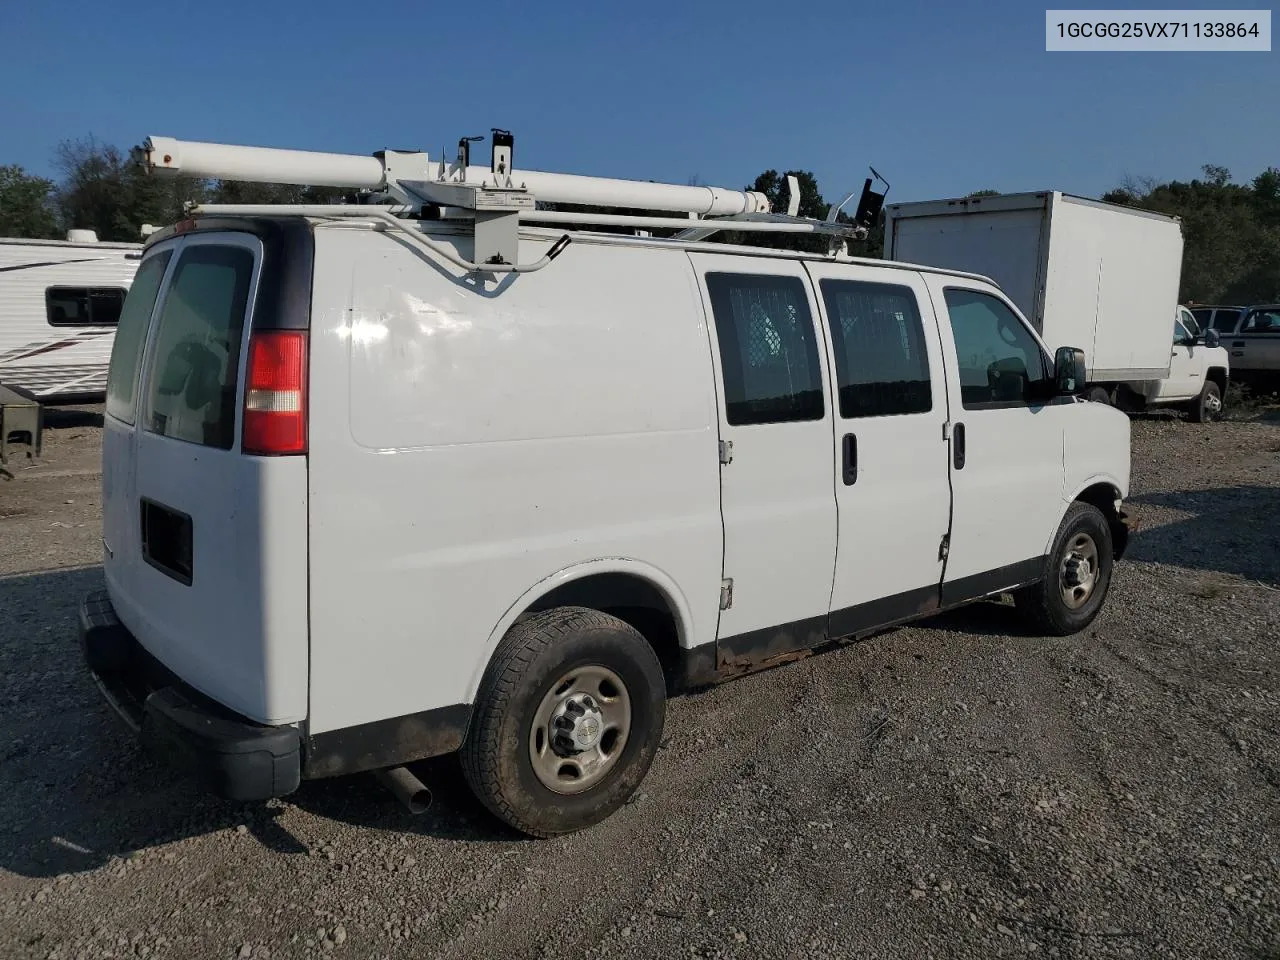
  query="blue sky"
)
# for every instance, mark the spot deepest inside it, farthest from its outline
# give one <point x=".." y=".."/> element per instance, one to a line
<point x="941" y="97"/>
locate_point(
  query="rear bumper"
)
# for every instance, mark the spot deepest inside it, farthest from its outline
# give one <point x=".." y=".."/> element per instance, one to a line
<point x="235" y="757"/>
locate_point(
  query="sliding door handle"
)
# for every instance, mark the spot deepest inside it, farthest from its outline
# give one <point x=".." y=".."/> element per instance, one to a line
<point x="957" y="446"/>
<point x="850" y="459"/>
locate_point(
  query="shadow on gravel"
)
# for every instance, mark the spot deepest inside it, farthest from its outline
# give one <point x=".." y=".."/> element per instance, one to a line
<point x="985" y="618"/>
<point x="77" y="790"/>
<point x="1231" y="530"/>
<point x="68" y="418"/>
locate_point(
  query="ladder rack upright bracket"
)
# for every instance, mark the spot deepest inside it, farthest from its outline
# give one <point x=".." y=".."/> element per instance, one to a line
<point x="495" y="210"/>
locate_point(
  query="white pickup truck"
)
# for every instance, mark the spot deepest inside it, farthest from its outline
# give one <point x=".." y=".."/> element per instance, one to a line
<point x="1198" y="372"/>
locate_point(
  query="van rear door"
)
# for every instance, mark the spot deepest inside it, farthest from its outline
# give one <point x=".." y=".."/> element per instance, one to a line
<point x="206" y="545"/>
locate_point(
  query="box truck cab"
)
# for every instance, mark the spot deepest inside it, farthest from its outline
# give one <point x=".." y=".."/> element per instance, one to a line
<point x="1197" y="379"/>
<point x="1099" y="275"/>
<point x="370" y="496"/>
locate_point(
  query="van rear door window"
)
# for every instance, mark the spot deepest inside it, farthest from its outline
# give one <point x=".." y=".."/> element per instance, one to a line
<point x="191" y="393"/>
<point x="131" y="334"/>
<point x="768" y="349"/>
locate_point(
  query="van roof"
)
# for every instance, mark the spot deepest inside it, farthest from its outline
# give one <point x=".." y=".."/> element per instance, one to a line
<point x="444" y="228"/>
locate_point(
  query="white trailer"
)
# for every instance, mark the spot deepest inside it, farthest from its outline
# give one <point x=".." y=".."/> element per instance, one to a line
<point x="1093" y="275"/>
<point x="59" y="304"/>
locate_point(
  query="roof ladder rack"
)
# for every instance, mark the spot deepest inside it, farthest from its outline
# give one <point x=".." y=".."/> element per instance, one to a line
<point x="398" y="189"/>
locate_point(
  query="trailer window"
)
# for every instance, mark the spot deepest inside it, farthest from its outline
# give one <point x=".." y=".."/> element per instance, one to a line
<point x="1001" y="365"/>
<point x="768" y="349"/>
<point x="191" y="393"/>
<point x="131" y="334"/>
<point x="882" y="365"/>
<point x="83" y="306"/>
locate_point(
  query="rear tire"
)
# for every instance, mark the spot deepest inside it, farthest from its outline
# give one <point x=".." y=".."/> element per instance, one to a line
<point x="1099" y="395"/>
<point x="1076" y="578"/>
<point x="1207" y="406"/>
<point x="567" y="721"/>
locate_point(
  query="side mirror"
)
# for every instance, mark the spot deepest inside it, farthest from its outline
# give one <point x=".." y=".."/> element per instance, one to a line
<point x="1068" y="371"/>
<point x="1212" y="338"/>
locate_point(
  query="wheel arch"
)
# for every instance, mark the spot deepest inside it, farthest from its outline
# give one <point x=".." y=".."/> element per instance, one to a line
<point x="1103" y="492"/>
<point x="636" y="592"/>
<point x="1219" y="376"/>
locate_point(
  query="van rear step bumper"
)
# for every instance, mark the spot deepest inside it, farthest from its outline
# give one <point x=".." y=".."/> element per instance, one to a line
<point x="236" y="758"/>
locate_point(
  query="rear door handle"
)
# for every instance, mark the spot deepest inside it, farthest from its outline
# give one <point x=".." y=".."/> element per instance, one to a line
<point x="850" y="459"/>
<point x="957" y="446"/>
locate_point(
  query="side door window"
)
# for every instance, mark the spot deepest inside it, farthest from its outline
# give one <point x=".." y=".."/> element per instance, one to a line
<point x="1224" y="321"/>
<point x="882" y="364"/>
<point x="1000" y="363"/>
<point x="1262" y="321"/>
<point x="768" y="350"/>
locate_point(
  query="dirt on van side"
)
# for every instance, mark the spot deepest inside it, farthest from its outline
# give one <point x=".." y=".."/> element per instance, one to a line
<point x="952" y="789"/>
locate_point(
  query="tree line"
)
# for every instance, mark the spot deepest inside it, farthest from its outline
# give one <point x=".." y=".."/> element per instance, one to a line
<point x="1231" y="231"/>
<point x="103" y="190"/>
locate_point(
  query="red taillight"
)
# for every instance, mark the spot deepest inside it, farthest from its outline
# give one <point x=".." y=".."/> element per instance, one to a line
<point x="275" y="396"/>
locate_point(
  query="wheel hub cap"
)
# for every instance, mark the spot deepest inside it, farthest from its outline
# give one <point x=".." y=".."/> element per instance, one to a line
<point x="578" y="725"/>
<point x="580" y="729"/>
<point x="1079" y="572"/>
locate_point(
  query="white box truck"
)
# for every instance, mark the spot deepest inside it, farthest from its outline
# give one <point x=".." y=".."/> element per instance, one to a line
<point x="1096" y="275"/>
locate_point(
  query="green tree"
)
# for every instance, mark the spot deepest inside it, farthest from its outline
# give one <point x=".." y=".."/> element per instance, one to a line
<point x="982" y="193"/>
<point x="1231" y="232"/>
<point x="103" y="190"/>
<point x="239" y="191"/>
<point x="26" y="205"/>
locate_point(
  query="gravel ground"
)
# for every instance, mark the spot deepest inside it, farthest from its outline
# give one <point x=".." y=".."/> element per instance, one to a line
<point x="956" y="789"/>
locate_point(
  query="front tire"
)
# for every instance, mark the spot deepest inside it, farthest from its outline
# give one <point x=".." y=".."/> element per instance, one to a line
<point x="567" y="721"/>
<point x="1207" y="406"/>
<point x="1077" y="576"/>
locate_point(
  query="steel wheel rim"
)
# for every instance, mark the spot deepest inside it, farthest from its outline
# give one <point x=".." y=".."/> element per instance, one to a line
<point x="1079" y="571"/>
<point x="580" y="729"/>
<point x="1213" y="405"/>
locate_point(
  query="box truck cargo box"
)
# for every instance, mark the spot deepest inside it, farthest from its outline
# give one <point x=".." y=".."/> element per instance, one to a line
<point x="1093" y="275"/>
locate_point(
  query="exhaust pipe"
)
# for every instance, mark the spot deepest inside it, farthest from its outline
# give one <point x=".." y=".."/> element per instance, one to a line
<point x="406" y="788"/>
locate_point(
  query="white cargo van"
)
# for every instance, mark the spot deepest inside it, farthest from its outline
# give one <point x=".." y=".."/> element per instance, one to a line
<point x="379" y="488"/>
<point x="1099" y="275"/>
